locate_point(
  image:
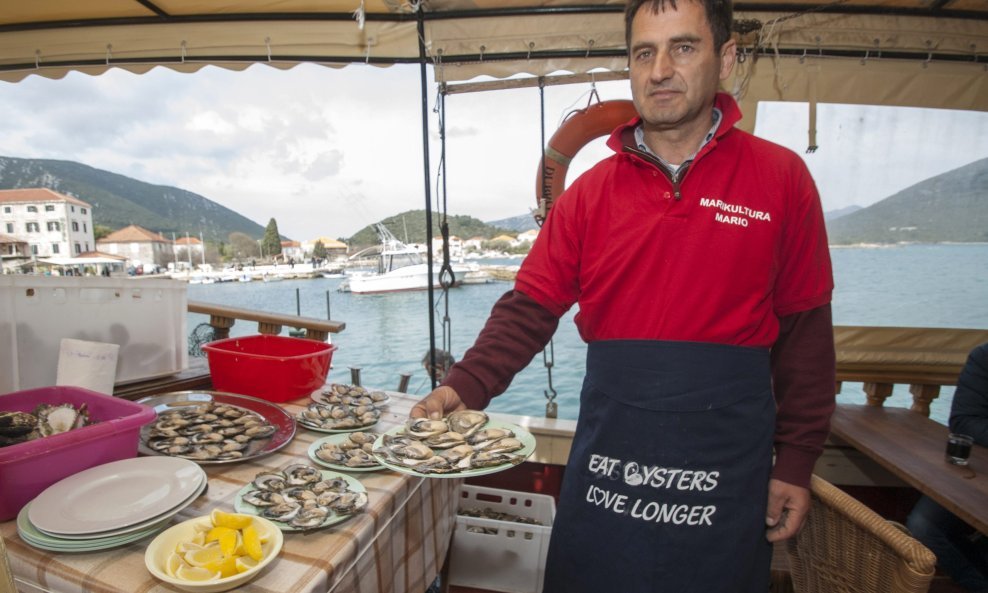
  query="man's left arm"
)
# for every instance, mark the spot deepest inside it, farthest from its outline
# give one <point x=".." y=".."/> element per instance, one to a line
<point x="803" y="379"/>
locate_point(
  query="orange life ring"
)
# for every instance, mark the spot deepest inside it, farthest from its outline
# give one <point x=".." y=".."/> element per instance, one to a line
<point x="579" y="128"/>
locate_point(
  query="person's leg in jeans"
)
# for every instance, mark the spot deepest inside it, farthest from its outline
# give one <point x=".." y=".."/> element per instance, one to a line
<point x="949" y="538"/>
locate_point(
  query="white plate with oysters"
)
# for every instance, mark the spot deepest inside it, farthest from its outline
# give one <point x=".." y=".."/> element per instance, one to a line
<point x="301" y="497"/>
<point x="349" y="452"/>
<point x="463" y="444"/>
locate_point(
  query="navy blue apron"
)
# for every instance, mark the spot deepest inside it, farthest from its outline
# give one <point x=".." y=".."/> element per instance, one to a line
<point x="667" y="482"/>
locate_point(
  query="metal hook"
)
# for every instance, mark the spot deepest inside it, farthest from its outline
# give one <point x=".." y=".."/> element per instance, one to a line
<point x="864" y="60"/>
<point x="483" y="48"/>
<point x="183" y="48"/>
<point x="267" y="44"/>
<point x="929" y="58"/>
<point x="109" y="53"/>
<point x="802" y="58"/>
<point x="531" y="46"/>
<point x="37" y="59"/>
<point x="590" y="44"/>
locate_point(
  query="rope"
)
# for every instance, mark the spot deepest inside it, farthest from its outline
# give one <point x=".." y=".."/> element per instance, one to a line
<point x="447" y="278"/>
<point x="548" y="354"/>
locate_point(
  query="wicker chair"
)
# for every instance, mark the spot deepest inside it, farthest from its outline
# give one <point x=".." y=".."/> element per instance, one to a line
<point x="845" y="547"/>
<point x="6" y="578"/>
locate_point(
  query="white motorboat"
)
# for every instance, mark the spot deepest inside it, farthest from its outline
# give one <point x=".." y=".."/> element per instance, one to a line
<point x="400" y="268"/>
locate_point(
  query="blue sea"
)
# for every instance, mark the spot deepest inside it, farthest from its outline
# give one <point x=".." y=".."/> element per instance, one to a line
<point x="944" y="285"/>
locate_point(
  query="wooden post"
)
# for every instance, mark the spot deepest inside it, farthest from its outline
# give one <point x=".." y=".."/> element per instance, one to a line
<point x="877" y="393"/>
<point x="271" y="329"/>
<point x="923" y="395"/>
<point x="221" y="326"/>
<point x="318" y="335"/>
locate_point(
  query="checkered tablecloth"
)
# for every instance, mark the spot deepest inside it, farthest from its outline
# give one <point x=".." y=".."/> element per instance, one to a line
<point x="397" y="544"/>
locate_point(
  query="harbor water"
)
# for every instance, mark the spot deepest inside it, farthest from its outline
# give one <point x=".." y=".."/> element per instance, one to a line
<point x="943" y="285"/>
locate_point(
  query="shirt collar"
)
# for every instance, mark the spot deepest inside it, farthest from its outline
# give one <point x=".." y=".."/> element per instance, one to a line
<point x="640" y="141"/>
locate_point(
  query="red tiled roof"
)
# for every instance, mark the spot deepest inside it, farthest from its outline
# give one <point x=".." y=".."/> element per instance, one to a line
<point x="133" y="234"/>
<point x="187" y="241"/>
<point x="37" y="194"/>
<point x="90" y="254"/>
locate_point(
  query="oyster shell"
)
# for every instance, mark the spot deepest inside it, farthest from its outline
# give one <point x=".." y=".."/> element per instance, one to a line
<point x="15" y="424"/>
<point x="421" y="428"/>
<point x="60" y="418"/>
<point x="466" y="422"/>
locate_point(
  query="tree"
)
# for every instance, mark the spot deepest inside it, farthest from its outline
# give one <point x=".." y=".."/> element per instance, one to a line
<point x="271" y="243"/>
<point x="100" y="231"/>
<point x="319" y="250"/>
<point x="243" y="246"/>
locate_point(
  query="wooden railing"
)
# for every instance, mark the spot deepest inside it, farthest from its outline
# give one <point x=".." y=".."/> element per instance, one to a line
<point x="925" y="359"/>
<point x="222" y="318"/>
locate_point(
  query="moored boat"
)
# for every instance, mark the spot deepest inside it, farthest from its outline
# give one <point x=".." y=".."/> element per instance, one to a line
<point x="401" y="268"/>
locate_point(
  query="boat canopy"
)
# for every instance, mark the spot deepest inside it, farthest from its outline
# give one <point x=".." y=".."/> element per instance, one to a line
<point x="920" y="53"/>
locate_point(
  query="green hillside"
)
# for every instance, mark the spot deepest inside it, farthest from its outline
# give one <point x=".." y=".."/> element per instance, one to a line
<point x="951" y="207"/>
<point x="410" y="227"/>
<point x="119" y="201"/>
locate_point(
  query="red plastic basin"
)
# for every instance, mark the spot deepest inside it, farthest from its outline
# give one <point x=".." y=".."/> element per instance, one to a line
<point x="274" y="368"/>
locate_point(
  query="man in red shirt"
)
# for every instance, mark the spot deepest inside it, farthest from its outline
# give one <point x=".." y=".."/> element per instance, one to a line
<point x="698" y="258"/>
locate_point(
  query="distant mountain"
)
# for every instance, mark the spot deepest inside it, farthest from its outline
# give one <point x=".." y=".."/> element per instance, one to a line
<point x="410" y="227"/>
<point x="835" y="214"/>
<point x="519" y="224"/>
<point x="951" y="207"/>
<point x="119" y="201"/>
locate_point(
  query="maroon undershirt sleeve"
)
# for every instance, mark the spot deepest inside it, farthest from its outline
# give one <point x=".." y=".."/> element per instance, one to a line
<point x="517" y="329"/>
<point x="804" y="382"/>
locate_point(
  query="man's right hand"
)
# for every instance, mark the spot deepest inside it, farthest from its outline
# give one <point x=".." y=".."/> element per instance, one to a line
<point x="437" y="404"/>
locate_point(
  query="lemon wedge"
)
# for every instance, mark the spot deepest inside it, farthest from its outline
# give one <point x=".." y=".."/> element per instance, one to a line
<point x="188" y="546"/>
<point x="226" y="566"/>
<point x="204" y="556"/>
<point x="196" y="573"/>
<point x="252" y="543"/>
<point x="245" y="563"/>
<point x="227" y="538"/>
<point x="173" y="562"/>
<point x="230" y="520"/>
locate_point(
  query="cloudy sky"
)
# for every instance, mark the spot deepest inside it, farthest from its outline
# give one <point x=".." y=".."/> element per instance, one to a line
<point x="326" y="152"/>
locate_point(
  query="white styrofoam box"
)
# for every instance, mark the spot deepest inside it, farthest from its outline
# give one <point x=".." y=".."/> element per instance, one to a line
<point x="512" y="557"/>
<point x="146" y="318"/>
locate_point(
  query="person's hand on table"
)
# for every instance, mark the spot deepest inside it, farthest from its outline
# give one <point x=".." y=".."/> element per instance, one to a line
<point x="440" y="402"/>
<point x="788" y="506"/>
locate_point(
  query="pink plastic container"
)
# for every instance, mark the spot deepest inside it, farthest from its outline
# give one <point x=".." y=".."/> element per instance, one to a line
<point x="274" y="368"/>
<point x="26" y="469"/>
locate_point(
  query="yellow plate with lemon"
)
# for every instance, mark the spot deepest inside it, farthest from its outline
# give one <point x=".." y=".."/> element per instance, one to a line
<point x="217" y="552"/>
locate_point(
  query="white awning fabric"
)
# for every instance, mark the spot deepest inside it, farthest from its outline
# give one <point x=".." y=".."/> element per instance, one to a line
<point x="897" y="52"/>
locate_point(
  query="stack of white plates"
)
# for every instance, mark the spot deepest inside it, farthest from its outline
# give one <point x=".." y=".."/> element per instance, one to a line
<point x="110" y="505"/>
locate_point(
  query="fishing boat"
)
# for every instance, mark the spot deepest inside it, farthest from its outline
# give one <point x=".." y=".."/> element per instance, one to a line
<point x="905" y="53"/>
<point x="400" y="268"/>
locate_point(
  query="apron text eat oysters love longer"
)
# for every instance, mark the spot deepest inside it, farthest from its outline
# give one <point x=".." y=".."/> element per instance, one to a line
<point x="666" y="485"/>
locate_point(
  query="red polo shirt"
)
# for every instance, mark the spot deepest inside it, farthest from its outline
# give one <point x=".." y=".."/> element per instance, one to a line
<point x="742" y="245"/>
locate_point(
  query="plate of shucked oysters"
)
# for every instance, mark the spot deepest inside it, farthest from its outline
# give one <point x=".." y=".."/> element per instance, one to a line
<point x="301" y="497"/>
<point x="464" y="443"/>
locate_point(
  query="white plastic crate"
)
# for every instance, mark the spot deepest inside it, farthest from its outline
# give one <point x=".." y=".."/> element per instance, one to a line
<point x="147" y="318"/>
<point x="511" y="560"/>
